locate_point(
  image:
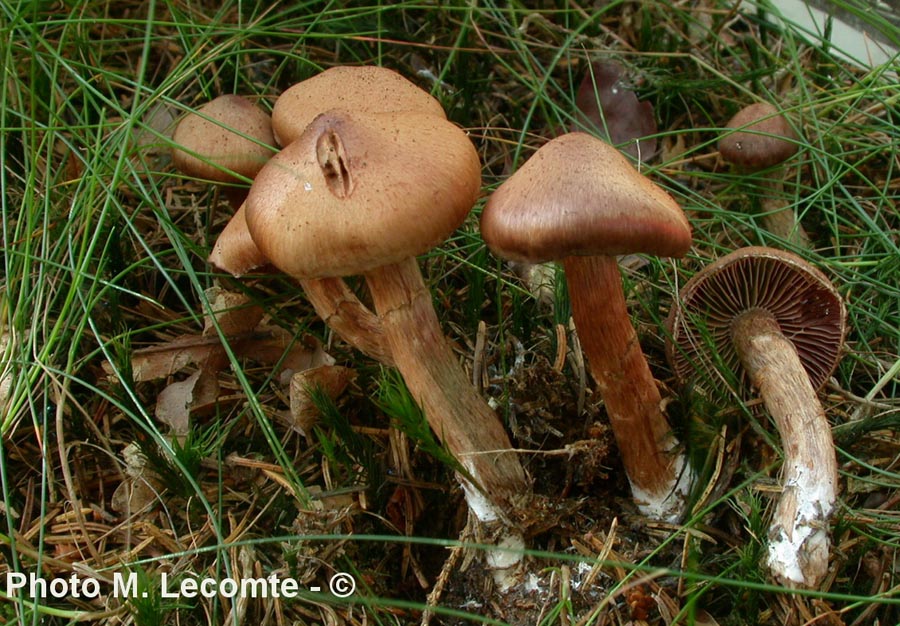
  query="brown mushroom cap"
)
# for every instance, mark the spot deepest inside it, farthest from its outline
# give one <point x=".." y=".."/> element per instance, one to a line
<point x="577" y="195"/>
<point x="235" y="251"/>
<point x="227" y="133"/>
<point x="764" y="139"/>
<point x="364" y="89"/>
<point x="806" y="306"/>
<point x="355" y="192"/>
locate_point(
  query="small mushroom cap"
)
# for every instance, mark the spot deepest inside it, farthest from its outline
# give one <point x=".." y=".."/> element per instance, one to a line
<point x="806" y="306"/>
<point x="355" y="192"/>
<point x="764" y="139"/>
<point x="227" y="133"/>
<point x="364" y="89"/>
<point x="235" y="251"/>
<point x="577" y="195"/>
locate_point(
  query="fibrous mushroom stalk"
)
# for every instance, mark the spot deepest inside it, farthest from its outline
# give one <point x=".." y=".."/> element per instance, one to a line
<point x="657" y="469"/>
<point x="496" y="484"/>
<point x="337" y="306"/>
<point x="798" y="534"/>
<point x="779" y="218"/>
<point x="364" y="194"/>
<point x="456" y="413"/>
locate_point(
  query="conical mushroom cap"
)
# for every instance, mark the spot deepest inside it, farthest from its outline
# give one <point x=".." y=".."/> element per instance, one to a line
<point x="363" y="89"/>
<point x="355" y="192"/>
<point x="227" y="133"/>
<point x="577" y="195"/>
<point x="764" y="139"/>
<point x="235" y="251"/>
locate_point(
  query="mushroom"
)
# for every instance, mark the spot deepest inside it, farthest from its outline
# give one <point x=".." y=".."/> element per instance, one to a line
<point x="579" y="200"/>
<point x="227" y="139"/>
<point x="364" y="89"/>
<point x="364" y="194"/>
<point x="334" y="302"/>
<point x="235" y="251"/>
<point x="761" y="140"/>
<point x="358" y="88"/>
<point x="208" y="145"/>
<point x="774" y="316"/>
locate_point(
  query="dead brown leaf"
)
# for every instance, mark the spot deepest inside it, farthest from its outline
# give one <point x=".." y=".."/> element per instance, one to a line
<point x="231" y="313"/>
<point x="330" y="379"/>
<point x="276" y="345"/>
<point x="247" y="336"/>
<point x="173" y="356"/>
<point x="5" y="373"/>
<point x="179" y="400"/>
<point x="139" y="489"/>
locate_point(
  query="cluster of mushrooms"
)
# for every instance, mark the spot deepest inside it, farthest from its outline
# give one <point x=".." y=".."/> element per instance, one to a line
<point x="371" y="174"/>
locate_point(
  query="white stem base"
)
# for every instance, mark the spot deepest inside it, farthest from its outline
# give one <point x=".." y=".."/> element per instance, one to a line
<point x="504" y="561"/>
<point x="799" y="536"/>
<point x="668" y="505"/>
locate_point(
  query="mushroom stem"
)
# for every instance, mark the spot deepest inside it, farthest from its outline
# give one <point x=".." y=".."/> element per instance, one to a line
<point x="343" y="312"/>
<point x="236" y="253"/>
<point x="457" y="414"/>
<point x="780" y="219"/>
<point x="798" y="535"/>
<point x="658" y="471"/>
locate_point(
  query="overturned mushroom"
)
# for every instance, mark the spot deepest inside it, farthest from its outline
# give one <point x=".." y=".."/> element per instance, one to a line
<point x="365" y="194"/>
<point x="771" y="315"/>
<point x="761" y="139"/>
<point x="579" y="200"/>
